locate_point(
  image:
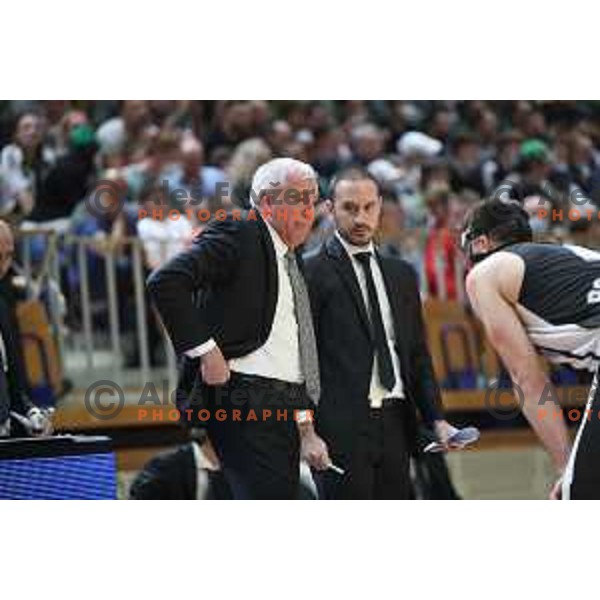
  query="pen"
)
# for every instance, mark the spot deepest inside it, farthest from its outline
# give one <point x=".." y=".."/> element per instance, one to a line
<point x="336" y="469"/>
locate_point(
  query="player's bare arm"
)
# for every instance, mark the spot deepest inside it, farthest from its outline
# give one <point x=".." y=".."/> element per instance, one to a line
<point x="493" y="288"/>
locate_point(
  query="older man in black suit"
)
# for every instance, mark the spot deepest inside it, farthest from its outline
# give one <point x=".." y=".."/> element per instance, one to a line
<point x="374" y="361"/>
<point x="238" y="302"/>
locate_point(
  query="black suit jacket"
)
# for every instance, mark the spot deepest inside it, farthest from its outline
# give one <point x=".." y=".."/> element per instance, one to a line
<point x="224" y="287"/>
<point x="173" y="475"/>
<point x="346" y="348"/>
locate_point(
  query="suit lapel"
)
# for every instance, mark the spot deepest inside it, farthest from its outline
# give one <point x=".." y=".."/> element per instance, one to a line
<point x="344" y="267"/>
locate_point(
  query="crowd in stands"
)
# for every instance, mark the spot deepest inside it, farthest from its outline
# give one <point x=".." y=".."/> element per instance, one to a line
<point x="433" y="159"/>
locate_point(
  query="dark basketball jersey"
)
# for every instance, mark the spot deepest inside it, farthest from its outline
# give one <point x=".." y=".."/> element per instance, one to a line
<point x="559" y="302"/>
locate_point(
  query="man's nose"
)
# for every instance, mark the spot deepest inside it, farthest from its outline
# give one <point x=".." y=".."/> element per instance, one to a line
<point x="361" y="218"/>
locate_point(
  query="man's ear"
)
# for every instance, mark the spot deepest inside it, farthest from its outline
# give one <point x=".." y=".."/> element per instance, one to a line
<point x="328" y="204"/>
<point x="269" y="202"/>
<point x="481" y="243"/>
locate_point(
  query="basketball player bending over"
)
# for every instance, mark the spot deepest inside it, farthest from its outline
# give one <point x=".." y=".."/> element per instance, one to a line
<point x="540" y="298"/>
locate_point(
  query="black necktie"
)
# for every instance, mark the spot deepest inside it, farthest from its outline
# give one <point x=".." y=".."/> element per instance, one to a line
<point x="384" y="358"/>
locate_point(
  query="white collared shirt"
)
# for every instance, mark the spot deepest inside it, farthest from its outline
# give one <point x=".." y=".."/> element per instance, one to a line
<point x="279" y="357"/>
<point x="377" y="392"/>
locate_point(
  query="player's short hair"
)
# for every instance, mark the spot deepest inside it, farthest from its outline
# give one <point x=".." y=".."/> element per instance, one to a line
<point x="503" y="221"/>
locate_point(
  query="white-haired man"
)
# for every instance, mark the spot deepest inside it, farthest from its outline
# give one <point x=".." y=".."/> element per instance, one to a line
<point x="238" y="302"/>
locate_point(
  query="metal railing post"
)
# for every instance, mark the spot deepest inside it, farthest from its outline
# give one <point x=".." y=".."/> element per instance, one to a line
<point x="84" y="287"/>
<point x="140" y="308"/>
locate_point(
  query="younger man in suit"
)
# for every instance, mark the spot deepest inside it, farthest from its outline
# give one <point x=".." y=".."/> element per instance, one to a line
<point x="374" y="361"/>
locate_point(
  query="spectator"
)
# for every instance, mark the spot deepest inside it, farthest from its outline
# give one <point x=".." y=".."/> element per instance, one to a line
<point x="61" y="117"/>
<point x="487" y="132"/>
<point x="391" y="227"/>
<point x="535" y="175"/>
<point x="441" y="249"/>
<point x="106" y="232"/>
<point x="495" y="170"/>
<point x="441" y="125"/>
<point x="190" y="174"/>
<point x="535" y="125"/>
<point x="367" y="142"/>
<point x="324" y="153"/>
<point x="435" y="174"/>
<point x="70" y="179"/>
<point x="248" y="156"/>
<point x="465" y="164"/>
<point x="234" y="125"/>
<point x="15" y="194"/>
<point x="167" y="114"/>
<point x="25" y="162"/>
<point x="583" y="168"/>
<point x="162" y="235"/>
<point x="123" y="138"/>
<point x="280" y="135"/>
<point x="162" y="155"/>
<point x="415" y="149"/>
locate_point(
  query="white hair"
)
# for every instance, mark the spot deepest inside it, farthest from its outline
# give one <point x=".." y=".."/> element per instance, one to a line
<point x="277" y="172"/>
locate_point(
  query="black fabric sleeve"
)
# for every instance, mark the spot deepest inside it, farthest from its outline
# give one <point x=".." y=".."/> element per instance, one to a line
<point x="212" y="259"/>
<point x="426" y="390"/>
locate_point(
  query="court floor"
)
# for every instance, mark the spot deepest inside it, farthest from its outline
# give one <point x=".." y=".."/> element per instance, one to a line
<point x="520" y="473"/>
<point x="504" y="467"/>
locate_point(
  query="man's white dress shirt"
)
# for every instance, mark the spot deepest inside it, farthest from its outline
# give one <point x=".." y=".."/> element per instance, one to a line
<point x="279" y="357"/>
<point x="377" y="392"/>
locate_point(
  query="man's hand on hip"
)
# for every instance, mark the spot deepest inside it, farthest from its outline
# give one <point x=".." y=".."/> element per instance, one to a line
<point x="214" y="367"/>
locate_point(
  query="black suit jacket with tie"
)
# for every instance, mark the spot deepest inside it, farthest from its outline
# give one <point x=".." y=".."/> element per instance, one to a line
<point x="224" y="287"/>
<point x="346" y="348"/>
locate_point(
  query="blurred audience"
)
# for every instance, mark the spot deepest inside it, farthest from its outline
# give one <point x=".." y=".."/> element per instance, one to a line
<point x="163" y="233"/>
<point x="441" y="248"/>
<point x="431" y="158"/>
